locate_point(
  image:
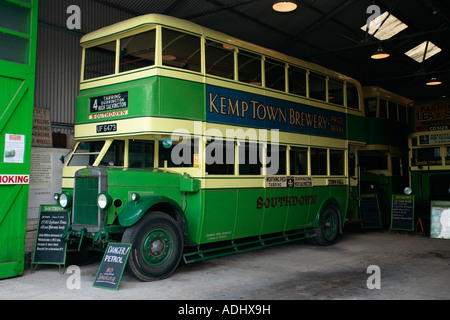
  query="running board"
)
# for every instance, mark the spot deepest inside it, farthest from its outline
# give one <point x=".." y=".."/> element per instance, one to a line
<point x="225" y="248"/>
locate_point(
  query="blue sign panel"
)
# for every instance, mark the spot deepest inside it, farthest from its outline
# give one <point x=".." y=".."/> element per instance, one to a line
<point x="240" y="108"/>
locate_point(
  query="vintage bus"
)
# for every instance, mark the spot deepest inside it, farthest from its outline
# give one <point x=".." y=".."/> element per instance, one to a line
<point x="429" y="153"/>
<point x="192" y="144"/>
<point x="384" y="161"/>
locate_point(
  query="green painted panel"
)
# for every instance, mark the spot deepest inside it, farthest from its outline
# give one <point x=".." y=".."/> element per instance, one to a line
<point x="238" y="213"/>
<point x="219" y="215"/>
<point x="17" y="73"/>
<point x="153" y="96"/>
<point x="187" y="102"/>
<point x="249" y="218"/>
<point x="356" y="130"/>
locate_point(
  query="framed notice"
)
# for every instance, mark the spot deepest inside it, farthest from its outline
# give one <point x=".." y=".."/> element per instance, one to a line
<point x="402" y="217"/>
<point x="112" y="266"/>
<point x="49" y="247"/>
<point x="440" y="219"/>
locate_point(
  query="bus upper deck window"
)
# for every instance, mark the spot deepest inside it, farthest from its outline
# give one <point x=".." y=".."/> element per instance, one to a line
<point x="317" y="86"/>
<point x="219" y="59"/>
<point x="275" y="74"/>
<point x="181" y="50"/>
<point x="382" y="112"/>
<point x="100" y="60"/>
<point x="370" y="105"/>
<point x="352" y="96"/>
<point x="402" y="114"/>
<point x="392" y="111"/>
<point x="137" y="51"/>
<point x="249" y="65"/>
<point x="297" y="80"/>
<point x="335" y="91"/>
<point x="86" y="153"/>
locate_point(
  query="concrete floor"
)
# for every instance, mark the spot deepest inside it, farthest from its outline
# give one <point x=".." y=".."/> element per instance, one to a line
<point x="411" y="267"/>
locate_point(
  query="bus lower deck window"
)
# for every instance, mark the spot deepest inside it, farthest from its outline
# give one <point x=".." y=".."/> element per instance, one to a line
<point x="141" y="153"/>
<point x="318" y="161"/>
<point x="86" y="153"/>
<point x="219" y="157"/>
<point x="249" y="162"/>
<point x="114" y="157"/>
<point x="337" y="162"/>
<point x="298" y="160"/>
<point x="181" y="154"/>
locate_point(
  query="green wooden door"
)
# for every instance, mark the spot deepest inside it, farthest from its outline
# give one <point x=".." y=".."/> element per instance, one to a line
<point x="18" y="33"/>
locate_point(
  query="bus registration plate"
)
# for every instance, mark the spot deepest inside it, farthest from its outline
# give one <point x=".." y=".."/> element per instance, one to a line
<point x="112" y="127"/>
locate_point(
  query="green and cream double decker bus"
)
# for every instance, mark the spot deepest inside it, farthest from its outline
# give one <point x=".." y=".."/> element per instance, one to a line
<point x="384" y="160"/>
<point x="429" y="151"/>
<point x="192" y="144"/>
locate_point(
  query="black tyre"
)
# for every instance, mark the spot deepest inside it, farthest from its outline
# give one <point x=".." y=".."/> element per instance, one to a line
<point x="157" y="246"/>
<point x="328" y="229"/>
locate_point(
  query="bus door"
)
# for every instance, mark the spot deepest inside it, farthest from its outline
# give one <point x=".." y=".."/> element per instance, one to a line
<point x="354" y="183"/>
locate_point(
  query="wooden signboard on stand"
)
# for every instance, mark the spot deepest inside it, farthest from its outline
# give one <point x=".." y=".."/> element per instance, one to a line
<point x="112" y="266"/>
<point x="49" y="247"/>
<point x="402" y="212"/>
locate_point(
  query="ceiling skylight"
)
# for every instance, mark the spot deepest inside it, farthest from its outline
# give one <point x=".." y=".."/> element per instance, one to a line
<point x="388" y="29"/>
<point x="417" y="53"/>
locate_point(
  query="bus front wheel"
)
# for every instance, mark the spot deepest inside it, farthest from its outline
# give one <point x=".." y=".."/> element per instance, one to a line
<point x="328" y="229"/>
<point x="157" y="246"/>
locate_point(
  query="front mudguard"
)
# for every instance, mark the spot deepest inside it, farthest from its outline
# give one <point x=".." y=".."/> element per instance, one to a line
<point x="135" y="210"/>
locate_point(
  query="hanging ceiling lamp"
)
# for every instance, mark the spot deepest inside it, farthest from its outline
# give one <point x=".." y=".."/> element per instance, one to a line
<point x="380" y="54"/>
<point x="284" y="6"/>
<point x="433" y="82"/>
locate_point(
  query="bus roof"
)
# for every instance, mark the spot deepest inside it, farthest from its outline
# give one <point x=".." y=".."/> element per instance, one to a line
<point x="158" y="19"/>
<point x="375" y="91"/>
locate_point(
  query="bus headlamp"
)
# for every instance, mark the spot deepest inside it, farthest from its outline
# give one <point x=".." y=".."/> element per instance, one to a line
<point x="104" y="200"/>
<point x="407" y="190"/>
<point x="56" y="197"/>
<point x="65" y="200"/>
<point x="135" y="196"/>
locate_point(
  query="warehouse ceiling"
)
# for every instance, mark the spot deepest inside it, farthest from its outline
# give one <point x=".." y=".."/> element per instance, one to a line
<point x="330" y="33"/>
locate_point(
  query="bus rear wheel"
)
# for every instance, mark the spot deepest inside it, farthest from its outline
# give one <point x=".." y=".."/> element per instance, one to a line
<point x="328" y="229"/>
<point x="157" y="246"/>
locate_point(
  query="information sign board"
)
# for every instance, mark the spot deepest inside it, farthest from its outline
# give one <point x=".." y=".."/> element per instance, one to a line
<point x="440" y="219"/>
<point x="49" y="247"/>
<point x="402" y="212"/>
<point x="112" y="266"/>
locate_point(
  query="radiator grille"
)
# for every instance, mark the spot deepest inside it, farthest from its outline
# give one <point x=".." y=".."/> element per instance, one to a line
<point x="85" y="207"/>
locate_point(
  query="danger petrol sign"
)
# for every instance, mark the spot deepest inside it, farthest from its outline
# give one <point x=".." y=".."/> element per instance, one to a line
<point x="14" y="179"/>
